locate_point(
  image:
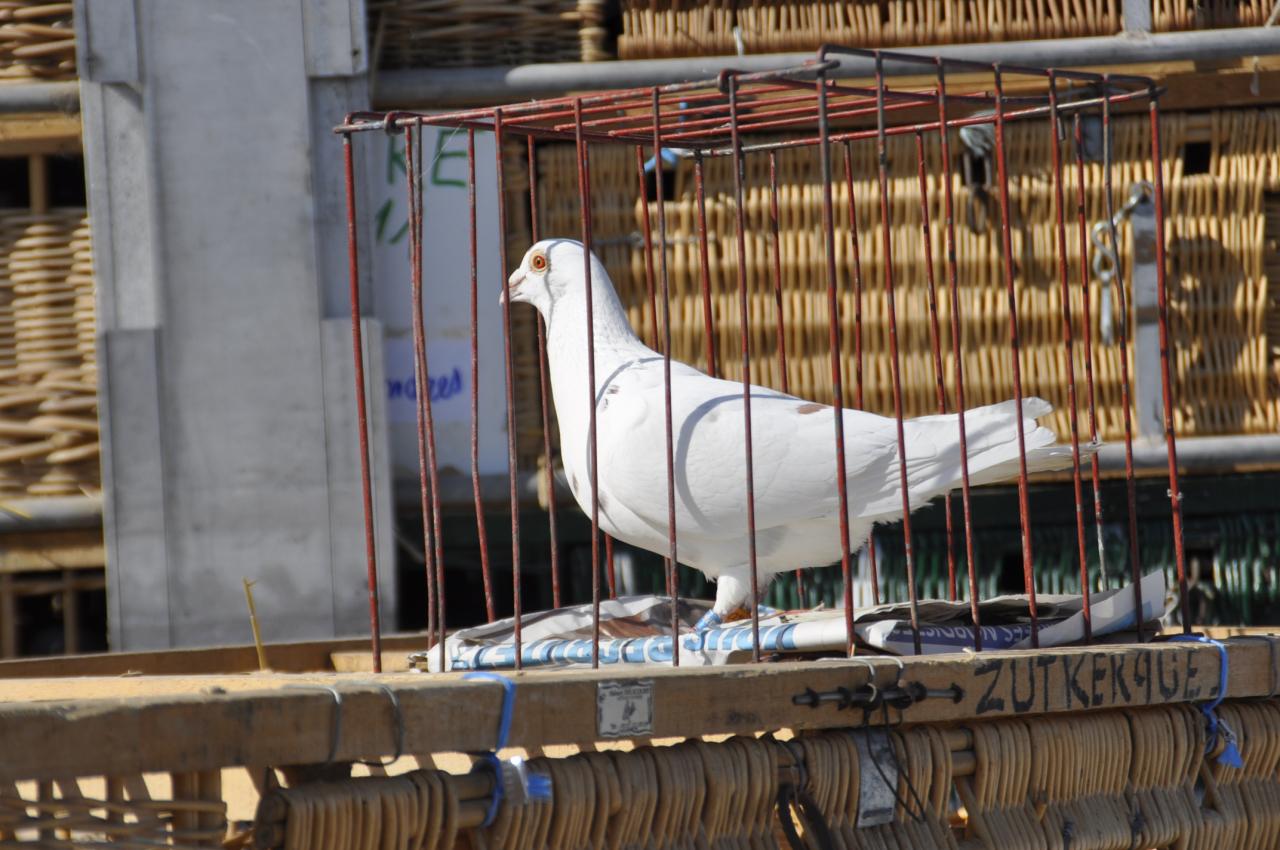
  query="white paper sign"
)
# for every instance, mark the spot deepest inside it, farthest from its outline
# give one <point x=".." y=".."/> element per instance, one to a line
<point x="446" y="285"/>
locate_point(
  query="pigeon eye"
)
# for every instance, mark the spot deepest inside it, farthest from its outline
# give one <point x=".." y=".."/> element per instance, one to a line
<point x="538" y="263"/>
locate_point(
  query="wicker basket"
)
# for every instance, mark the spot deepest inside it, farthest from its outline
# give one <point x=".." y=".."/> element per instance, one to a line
<point x="665" y="28"/>
<point x="37" y="41"/>
<point x="433" y="33"/>
<point x="1172" y="15"/>
<point x="48" y="381"/>
<point x="1225" y="320"/>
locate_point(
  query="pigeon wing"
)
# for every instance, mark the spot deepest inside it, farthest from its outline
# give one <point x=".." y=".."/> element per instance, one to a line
<point x="794" y="460"/>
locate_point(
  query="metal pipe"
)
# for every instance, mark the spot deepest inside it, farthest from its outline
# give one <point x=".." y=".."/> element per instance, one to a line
<point x="66" y="512"/>
<point x="440" y="87"/>
<point x="40" y="97"/>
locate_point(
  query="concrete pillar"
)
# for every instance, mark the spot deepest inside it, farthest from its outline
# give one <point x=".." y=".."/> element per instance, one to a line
<point x="217" y="205"/>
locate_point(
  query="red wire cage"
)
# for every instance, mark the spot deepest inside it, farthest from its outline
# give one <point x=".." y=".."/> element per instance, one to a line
<point x="748" y="115"/>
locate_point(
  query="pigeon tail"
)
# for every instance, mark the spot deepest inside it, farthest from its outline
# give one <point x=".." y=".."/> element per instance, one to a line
<point x="992" y="439"/>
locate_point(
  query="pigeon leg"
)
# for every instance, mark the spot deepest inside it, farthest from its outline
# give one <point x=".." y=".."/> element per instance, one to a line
<point x="733" y="593"/>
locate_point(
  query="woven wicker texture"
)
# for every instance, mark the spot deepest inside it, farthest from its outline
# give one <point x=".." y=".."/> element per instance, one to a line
<point x="74" y="812"/>
<point x="48" y="379"/>
<point x="426" y="33"/>
<point x="666" y="28"/>
<point x="37" y="41"/>
<point x="657" y="28"/>
<point x="1103" y="780"/>
<point x="1224" y="370"/>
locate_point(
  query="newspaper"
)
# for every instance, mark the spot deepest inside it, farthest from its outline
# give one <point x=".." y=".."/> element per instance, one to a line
<point x="637" y="630"/>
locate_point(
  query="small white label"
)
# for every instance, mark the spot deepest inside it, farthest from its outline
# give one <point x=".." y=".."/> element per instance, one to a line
<point x="624" y="709"/>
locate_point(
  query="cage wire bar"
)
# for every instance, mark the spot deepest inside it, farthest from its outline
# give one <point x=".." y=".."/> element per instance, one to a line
<point x="740" y="115"/>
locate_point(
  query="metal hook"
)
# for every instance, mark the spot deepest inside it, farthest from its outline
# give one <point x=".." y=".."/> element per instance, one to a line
<point x="399" y="717"/>
<point x="335" y="736"/>
<point x="1106" y="257"/>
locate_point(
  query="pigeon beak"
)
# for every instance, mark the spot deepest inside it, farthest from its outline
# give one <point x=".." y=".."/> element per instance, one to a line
<point x="513" y="286"/>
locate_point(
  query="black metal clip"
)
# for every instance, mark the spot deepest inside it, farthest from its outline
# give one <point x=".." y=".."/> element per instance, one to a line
<point x="868" y="696"/>
<point x="865" y="696"/>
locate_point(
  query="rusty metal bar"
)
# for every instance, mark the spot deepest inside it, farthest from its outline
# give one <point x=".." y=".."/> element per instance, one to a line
<point x="855" y="248"/>
<point x="362" y="413"/>
<point x="833" y="341"/>
<point x="673" y="562"/>
<point x="739" y="179"/>
<point x="704" y="269"/>
<point x="1082" y="227"/>
<point x="953" y="285"/>
<point x="517" y="595"/>
<point x="544" y="392"/>
<point x="421" y="380"/>
<point x="935" y="341"/>
<point x="1006" y="241"/>
<point x="1122" y="326"/>
<point x="856" y="252"/>
<point x="1068" y="344"/>
<point x="776" y="256"/>
<point x="927" y="126"/>
<point x="779" y="315"/>
<point x="648" y="249"/>
<point x="482" y="536"/>
<point x="882" y="167"/>
<point x="433" y="467"/>
<point x="432" y="464"/>
<point x="584" y="209"/>
<point x="1166" y="384"/>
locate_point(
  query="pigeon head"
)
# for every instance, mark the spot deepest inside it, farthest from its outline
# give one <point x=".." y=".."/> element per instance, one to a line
<point x="551" y="277"/>
<point x="550" y="273"/>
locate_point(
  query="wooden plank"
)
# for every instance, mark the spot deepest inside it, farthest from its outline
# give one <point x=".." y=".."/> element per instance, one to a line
<point x="50" y="551"/>
<point x="294" y="657"/>
<point x="93" y="726"/>
<point x="356" y="661"/>
<point x="38" y="183"/>
<point x="53" y="134"/>
<point x="70" y="616"/>
<point x="8" y="618"/>
<point x="55" y="586"/>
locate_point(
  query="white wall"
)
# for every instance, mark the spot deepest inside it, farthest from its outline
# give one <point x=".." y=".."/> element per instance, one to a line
<point x="217" y="203"/>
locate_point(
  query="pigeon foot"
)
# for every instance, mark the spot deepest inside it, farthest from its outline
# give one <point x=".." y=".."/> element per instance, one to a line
<point x="709" y="620"/>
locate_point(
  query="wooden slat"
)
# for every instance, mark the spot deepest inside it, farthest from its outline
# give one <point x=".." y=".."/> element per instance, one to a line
<point x="8" y="618"/>
<point x="89" y="726"/>
<point x="357" y="661"/>
<point x="291" y="657"/>
<point x="22" y="135"/>
<point x="52" y="550"/>
<point x="70" y="616"/>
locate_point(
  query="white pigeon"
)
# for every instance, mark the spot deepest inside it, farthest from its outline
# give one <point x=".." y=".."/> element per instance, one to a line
<point x="793" y="445"/>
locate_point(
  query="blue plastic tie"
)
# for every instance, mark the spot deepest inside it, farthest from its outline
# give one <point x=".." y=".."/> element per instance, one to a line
<point x="539" y="786"/>
<point x="508" y="702"/>
<point x="490" y="759"/>
<point x="669" y="157"/>
<point x="1230" y="754"/>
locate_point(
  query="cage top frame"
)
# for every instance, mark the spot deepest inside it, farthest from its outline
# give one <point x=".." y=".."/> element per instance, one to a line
<point x="698" y="116"/>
